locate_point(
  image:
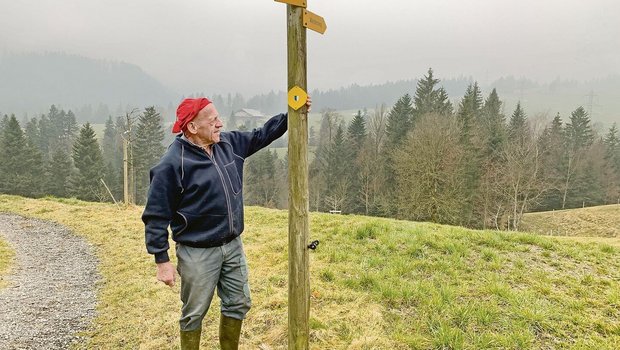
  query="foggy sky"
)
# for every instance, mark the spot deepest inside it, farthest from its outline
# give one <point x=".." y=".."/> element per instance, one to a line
<point x="240" y="45"/>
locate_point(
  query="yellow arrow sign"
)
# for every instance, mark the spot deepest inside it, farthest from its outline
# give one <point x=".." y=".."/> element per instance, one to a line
<point x="301" y="3"/>
<point x="297" y="97"/>
<point x="314" y="22"/>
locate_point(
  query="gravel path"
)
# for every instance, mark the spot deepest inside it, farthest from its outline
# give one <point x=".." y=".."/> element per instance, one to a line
<point x="51" y="293"/>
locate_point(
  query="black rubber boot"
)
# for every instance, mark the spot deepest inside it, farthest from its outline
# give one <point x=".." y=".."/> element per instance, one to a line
<point x="190" y="340"/>
<point x="230" y="329"/>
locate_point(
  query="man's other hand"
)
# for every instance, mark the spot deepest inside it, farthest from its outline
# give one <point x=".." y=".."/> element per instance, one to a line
<point x="166" y="273"/>
<point x="309" y="103"/>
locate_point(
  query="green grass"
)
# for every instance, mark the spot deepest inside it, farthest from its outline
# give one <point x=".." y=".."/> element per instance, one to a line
<point x="375" y="284"/>
<point x="599" y="221"/>
<point x="6" y="261"/>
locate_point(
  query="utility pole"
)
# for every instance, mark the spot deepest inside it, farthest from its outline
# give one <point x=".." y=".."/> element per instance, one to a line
<point x="590" y="103"/>
<point x="298" y="19"/>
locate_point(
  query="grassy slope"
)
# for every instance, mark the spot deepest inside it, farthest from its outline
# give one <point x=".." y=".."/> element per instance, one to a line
<point x="600" y="221"/>
<point x="6" y="260"/>
<point x="376" y="284"/>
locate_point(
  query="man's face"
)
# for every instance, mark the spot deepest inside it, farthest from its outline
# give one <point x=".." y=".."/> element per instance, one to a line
<point x="206" y="126"/>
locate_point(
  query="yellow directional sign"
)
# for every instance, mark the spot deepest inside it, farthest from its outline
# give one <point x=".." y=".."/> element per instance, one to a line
<point x="314" y="22"/>
<point x="301" y="3"/>
<point x="297" y="97"/>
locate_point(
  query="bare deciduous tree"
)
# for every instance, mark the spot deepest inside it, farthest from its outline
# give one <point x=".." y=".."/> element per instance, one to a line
<point x="523" y="183"/>
<point x="369" y="177"/>
<point x="430" y="172"/>
<point x="376" y="128"/>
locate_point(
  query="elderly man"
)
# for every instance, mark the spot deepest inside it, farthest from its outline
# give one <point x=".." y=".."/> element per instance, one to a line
<point x="196" y="189"/>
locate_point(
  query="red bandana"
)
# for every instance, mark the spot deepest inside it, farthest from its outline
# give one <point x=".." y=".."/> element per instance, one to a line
<point x="187" y="111"/>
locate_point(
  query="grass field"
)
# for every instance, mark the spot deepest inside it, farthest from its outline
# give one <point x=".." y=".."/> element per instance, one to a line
<point x="599" y="221"/>
<point x="6" y="261"/>
<point x="375" y="284"/>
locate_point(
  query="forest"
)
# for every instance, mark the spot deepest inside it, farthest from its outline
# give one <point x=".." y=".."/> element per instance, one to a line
<point x="421" y="159"/>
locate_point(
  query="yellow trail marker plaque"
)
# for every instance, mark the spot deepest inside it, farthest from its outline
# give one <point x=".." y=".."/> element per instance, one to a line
<point x="300" y="3"/>
<point x="297" y="97"/>
<point x="314" y="22"/>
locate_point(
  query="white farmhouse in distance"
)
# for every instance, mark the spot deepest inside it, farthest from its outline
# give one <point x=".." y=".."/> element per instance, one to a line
<point x="251" y="118"/>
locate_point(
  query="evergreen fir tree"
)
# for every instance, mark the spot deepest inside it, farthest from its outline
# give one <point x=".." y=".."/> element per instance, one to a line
<point x="55" y="118"/>
<point x="337" y="160"/>
<point x="356" y="131"/>
<point x="312" y="137"/>
<point x="579" y="131"/>
<point x="33" y="161"/>
<point x="70" y="129"/>
<point x="611" y="175"/>
<point x="469" y="118"/>
<point x="552" y="142"/>
<point x="491" y="141"/>
<point x="579" y="136"/>
<point x="148" y="149"/>
<point x="3" y="123"/>
<point x="399" y="121"/>
<point x="62" y="128"/>
<point x="45" y="130"/>
<point x="556" y="126"/>
<point x="427" y="99"/>
<point x="398" y="125"/>
<point x="110" y="150"/>
<point x="336" y="155"/>
<point x="32" y="131"/>
<point x="113" y="158"/>
<point x="34" y="137"/>
<point x="469" y="112"/>
<point x="57" y="173"/>
<point x="19" y="162"/>
<point x="356" y="140"/>
<point x="444" y="106"/>
<point x="261" y="177"/>
<point x="425" y="95"/>
<point x="318" y="168"/>
<point x="517" y="127"/>
<point x="494" y="129"/>
<point x="612" y="147"/>
<point x="88" y="160"/>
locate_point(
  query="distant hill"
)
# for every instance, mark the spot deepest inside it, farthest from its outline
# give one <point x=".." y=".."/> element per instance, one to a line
<point x="599" y="97"/>
<point x="94" y="89"/>
<point x="31" y="83"/>
<point x="599" y="221"/>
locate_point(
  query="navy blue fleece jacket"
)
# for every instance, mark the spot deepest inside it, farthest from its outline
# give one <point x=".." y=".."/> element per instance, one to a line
<point x="200" y="196"/>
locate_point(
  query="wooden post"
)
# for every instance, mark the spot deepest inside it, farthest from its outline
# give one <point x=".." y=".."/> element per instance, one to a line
<point x="299" y="276"/>
<point x="125" y="172"/>
<point x="129" y="179"/>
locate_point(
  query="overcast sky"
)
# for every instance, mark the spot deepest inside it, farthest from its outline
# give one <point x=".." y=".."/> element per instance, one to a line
<point x="240" y="45"/>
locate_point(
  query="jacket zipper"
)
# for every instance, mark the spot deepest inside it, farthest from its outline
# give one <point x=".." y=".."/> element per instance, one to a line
<point x="219" y="171"/>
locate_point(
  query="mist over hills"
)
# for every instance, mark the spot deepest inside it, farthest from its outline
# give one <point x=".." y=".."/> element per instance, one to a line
<point x="540" y="100"/>
<point x="30" y="83"/>
<point x="96" y="89"/>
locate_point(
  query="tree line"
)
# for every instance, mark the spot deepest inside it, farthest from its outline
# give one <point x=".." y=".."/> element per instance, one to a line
<point x="424" y="159"/>
<point x="53" y="155"/>
<point x="421" y="159"/>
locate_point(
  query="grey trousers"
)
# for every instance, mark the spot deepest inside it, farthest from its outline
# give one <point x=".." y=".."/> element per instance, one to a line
<point x="204" y="269"/>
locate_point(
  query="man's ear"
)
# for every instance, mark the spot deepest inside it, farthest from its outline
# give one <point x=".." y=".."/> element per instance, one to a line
<point x="191" y="128"/>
